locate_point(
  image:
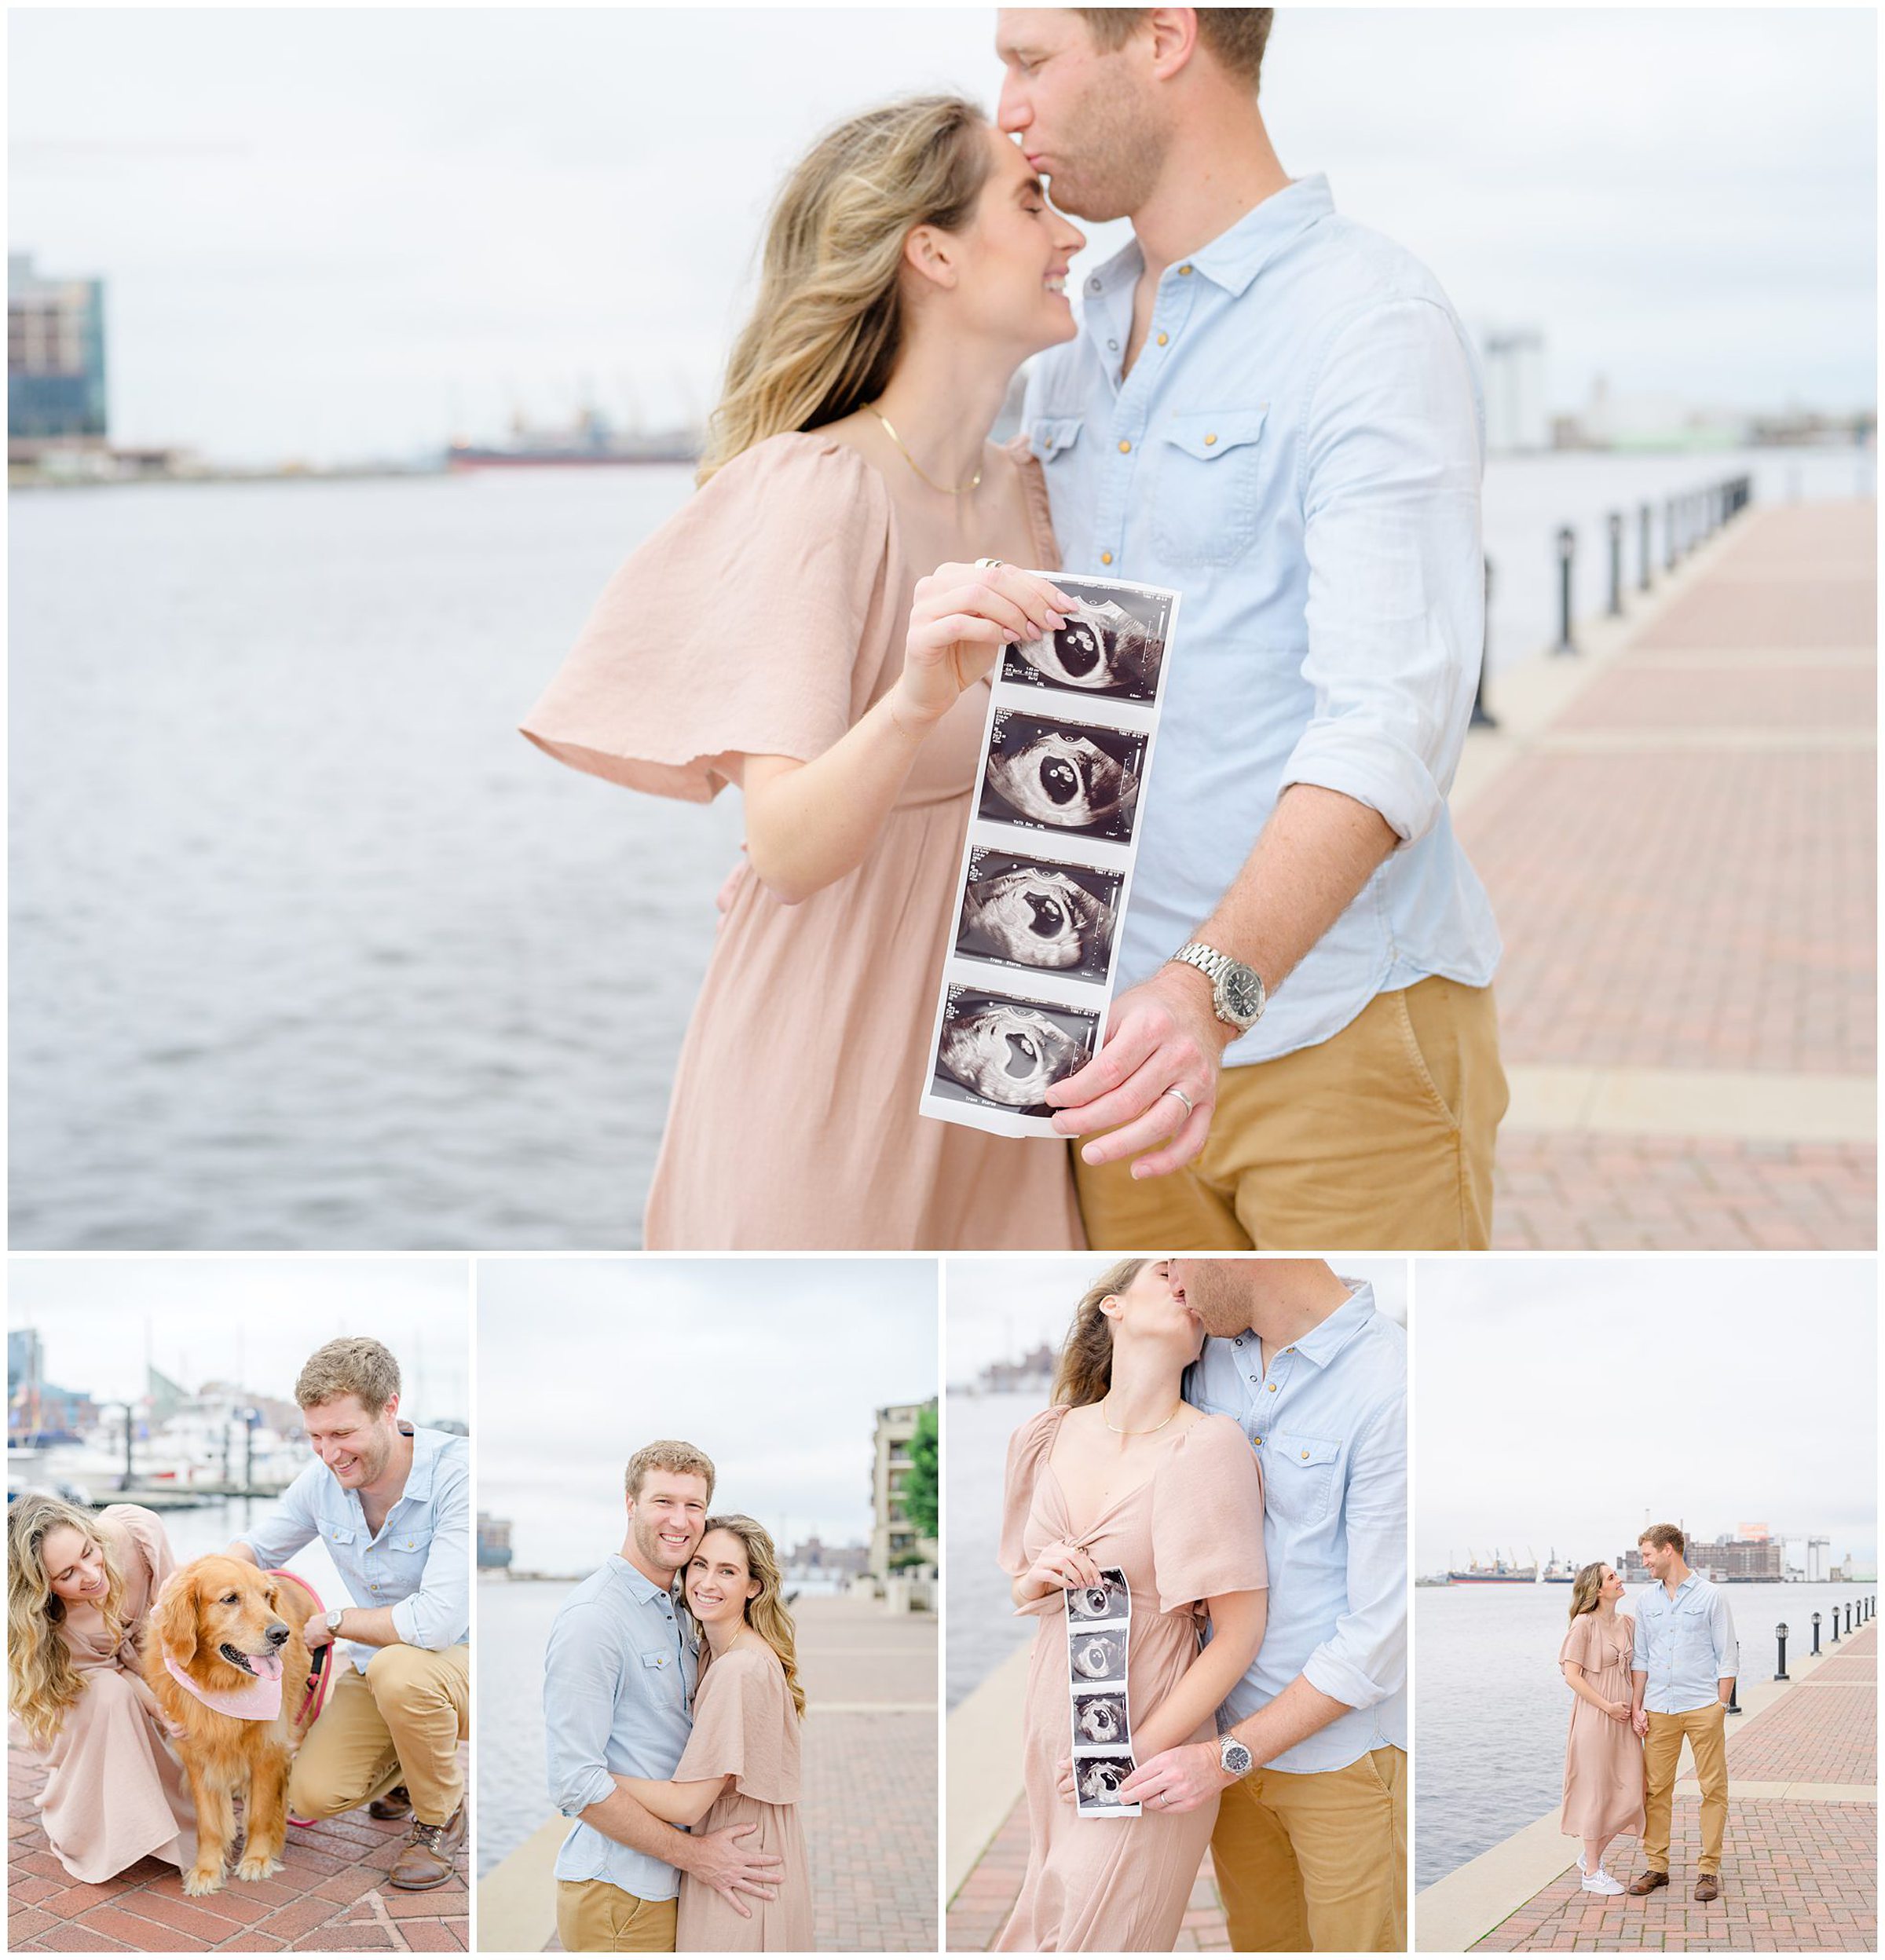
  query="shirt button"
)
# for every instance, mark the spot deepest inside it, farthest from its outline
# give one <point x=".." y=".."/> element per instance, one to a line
<point x="1125" y="447"/>
<point x="1184" y="272"/>
<point x="1114" y="345"/>
<point x="1272" y="1387"/>
<point x="1305" y="1455"/>
<point x="1255" y="1377"/>
<point x="1093" y="285"/>
<point x="1106" y="557"/>
<point x="1238" y="1342"/>
<point x="1260" y="1443"/>
<point x="1208" y="441"/>
<point x="1161" y="339"/>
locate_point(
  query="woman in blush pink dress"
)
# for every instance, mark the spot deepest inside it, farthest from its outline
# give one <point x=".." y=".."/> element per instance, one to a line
<point x="1603" y="1758"/>
<point x="79" y="1591"/>
<point x="740" y="1765"/>
<point x="1121" y="1471"/>
<point x="813" y="626"/>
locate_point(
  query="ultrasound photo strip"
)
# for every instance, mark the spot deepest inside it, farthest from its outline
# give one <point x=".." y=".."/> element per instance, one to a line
<point x="1098" y="1659"/>
<point x="1047" y="864"/>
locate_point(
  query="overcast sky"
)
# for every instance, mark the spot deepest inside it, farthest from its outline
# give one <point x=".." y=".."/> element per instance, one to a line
<point x="776" y="1368"/>
<point x="331" y="233"/>
<point x="1558" y="1401"/>
<point x="999" y="1309"/>
<point x="250" y="1321"/>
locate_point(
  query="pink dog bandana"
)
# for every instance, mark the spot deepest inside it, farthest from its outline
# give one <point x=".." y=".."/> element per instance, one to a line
<point x="260" y="1701"/>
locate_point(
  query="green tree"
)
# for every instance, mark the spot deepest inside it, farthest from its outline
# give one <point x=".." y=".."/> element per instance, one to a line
<point x="922" y="1480"/>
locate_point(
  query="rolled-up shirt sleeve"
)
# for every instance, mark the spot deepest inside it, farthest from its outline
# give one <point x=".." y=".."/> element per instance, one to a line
<point x="1721" y="1627"/>
<point x="1391" y="462"/>
<point x="437" y="1615"/>
<point x="1639" y="1653"/>
<point x="1365" y="1659"/>
<point x="580" y="1670"/>
<point x="294" y="1522"/>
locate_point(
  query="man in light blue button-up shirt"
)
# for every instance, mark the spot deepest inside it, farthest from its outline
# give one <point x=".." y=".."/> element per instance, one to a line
<point x="391" y="1504"/>
<point x="1310" y="1847"/>
<point x="1277" y="412"/>
<point x="1683" y="1674"/>
<point x="619" y="1678"/>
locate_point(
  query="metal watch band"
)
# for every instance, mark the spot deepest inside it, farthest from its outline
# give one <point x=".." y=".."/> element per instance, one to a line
<point x="1218" y="968"/>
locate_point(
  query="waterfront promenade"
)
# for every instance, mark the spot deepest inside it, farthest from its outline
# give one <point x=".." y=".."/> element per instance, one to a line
<point x="868" y="1806"/>
<point x="1677" y="827"/>
<point x="329" y="1896"/>
<point x="1800" y="1871"/>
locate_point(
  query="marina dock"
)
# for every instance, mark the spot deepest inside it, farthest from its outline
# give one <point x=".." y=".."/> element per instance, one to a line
<point x="1800" y="1869"/>
<point x="1676" y="825"/>
<point x="868" y="1806"/>
<point x="330" y="1896"/>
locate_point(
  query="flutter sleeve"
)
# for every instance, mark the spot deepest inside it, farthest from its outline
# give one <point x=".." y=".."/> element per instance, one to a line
<point x="1581" y="1644"/>
<point x="1028" y="1449"/>
<point x="145" y="1558"/>
<point x="745" y="1726"/>
<point x="755" y="622"/>
<point x="1207" y="1517"/>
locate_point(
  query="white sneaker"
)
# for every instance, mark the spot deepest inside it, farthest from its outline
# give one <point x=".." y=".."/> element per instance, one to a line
<point x="1599" y="1880"/>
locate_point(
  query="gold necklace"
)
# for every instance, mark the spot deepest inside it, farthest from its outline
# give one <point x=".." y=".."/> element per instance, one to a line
<point x="974" y="483"/>
<point x="1152" y="1431"/>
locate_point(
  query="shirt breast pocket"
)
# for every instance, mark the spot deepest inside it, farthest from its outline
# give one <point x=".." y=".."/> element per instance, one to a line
<point x="1052" y="437"/>
<point x="665" y="1673"/>
<point x="1204" y="485"/>
<point x="1299" y="1476"/>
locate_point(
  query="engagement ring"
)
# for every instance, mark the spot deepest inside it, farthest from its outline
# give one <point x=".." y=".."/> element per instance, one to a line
<point x="988" y="564"/>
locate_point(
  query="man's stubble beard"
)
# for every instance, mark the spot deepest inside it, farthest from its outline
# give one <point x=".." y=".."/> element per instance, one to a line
<point x="1114" y="176"/>
<point x="647" y="1541"/>
<point x="1213" y="1294"/>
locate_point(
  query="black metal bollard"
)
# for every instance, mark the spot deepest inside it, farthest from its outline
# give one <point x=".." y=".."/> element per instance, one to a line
<point x="1780" y="1674"/>
<point x="1835" y="1626"/>
<point x="1816" y="1633"/>
<point x="1848" y="1616"/>
<point x="1643" y="550"/>
<point x="1616" y="564"/>
<point x="1566" y="551"/>
<point x="1669" y="536"/>
<point x="1482" y="715"/>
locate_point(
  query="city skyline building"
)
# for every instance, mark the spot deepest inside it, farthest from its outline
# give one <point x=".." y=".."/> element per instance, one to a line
<point x="56" y="390"/>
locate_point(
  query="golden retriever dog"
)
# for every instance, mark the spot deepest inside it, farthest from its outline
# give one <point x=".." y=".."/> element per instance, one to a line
<point x="229" y="1668"/>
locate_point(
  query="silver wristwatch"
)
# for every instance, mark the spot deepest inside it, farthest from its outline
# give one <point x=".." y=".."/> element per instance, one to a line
<point x="1233" y="1758"/>
<point x="334" y="1617"/>
<point x="1237" y="995"/>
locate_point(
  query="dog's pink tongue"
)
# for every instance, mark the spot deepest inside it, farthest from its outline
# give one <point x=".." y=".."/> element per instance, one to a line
<point x="267" y="1666"/>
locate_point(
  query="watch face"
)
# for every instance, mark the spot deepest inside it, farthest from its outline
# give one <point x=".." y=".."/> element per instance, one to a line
<point x="1236" y="1759"/>
<point x="1244" y="994"/>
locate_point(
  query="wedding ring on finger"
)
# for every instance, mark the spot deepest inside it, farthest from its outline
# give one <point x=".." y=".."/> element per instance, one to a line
<point x="1182" y="1097"/>
<point x="988" y="564"/>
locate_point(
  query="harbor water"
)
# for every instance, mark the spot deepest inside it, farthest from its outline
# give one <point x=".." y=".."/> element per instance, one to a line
<point x="514" y="1619"/>
<point x="984" y="1628"/>
<point x="310" y="948"/>
<point x="1494" y="1709"/>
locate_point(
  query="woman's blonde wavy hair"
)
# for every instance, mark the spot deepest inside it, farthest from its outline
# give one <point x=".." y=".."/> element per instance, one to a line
<point x="41" y="1683"/>
<point x="827" y="326"/>
<point x="1585" y="1587"/>
<point x="1085" y="1371"/>
<point x="765" y="1613"/>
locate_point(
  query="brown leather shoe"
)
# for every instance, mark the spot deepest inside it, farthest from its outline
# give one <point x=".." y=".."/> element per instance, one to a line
<point x="430" y="1856"/>
<point x="396" y="1803"/>
<point x="1646" y="1882"/>
<point x="1707" y="1889"/>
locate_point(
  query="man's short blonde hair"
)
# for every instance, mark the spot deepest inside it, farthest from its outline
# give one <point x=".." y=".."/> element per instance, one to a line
<point x="353" y="1366"/>
<point x="1669" y="1536"/>
<point x="682" y="1458"/>
<point x="1237" y="36"/>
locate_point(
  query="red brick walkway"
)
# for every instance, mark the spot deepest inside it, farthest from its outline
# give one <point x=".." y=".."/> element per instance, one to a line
<point x="1799" y="1875"/>
<point x="1684" y="868"/>
<point x="980" y="1910"/>
<point x="869" y="1815"/>
<point x="331" y="1896"/>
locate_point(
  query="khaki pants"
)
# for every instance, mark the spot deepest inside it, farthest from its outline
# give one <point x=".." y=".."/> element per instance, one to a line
<point x="1707" y="1730"/>
<point x="593" y="1916"/>
<point x="400" y="1722"/>
<point x="1378" y="1140"/>
<point x="1316" y="1864"/>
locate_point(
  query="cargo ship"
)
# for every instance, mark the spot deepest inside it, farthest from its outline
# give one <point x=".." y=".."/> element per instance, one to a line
<point x="1500" y="1572"/>
<point x="1559" y="1571"/>
<point x="590" y="442"/>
